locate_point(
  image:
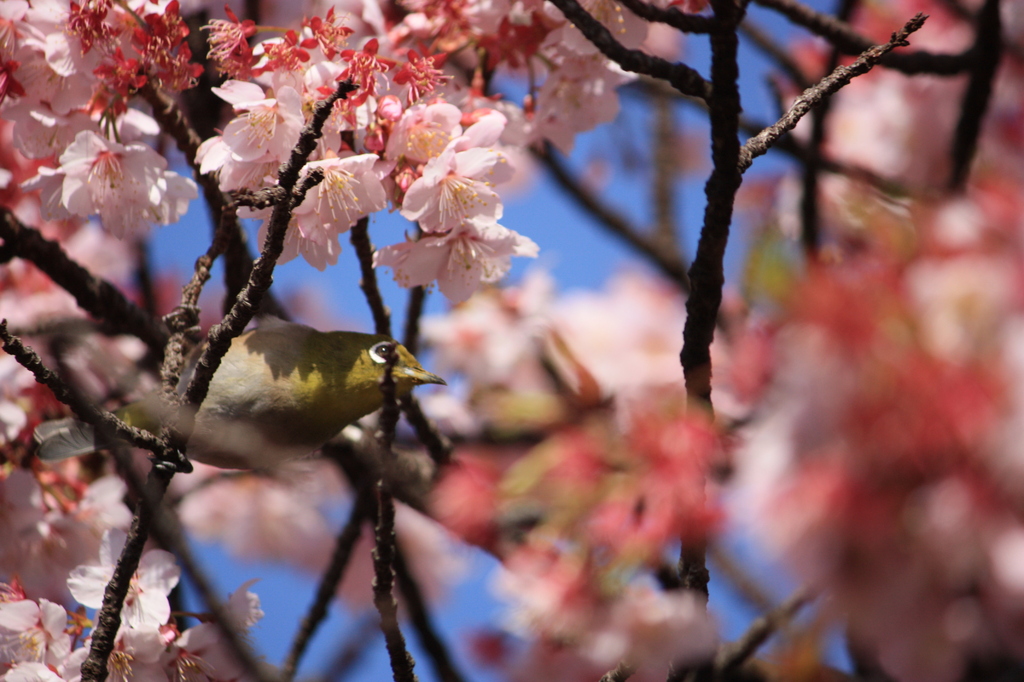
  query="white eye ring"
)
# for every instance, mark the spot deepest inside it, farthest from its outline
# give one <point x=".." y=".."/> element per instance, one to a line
<point x="378" y="352"/>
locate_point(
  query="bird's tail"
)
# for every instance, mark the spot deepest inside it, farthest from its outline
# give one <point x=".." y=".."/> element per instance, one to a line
<point x="63" y="438"/>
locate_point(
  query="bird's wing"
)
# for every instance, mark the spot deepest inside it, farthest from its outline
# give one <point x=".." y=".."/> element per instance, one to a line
<point x="63" y="438"/>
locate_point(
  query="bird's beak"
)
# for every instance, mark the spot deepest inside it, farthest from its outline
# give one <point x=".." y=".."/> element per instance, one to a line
<point x="420" y="375"/>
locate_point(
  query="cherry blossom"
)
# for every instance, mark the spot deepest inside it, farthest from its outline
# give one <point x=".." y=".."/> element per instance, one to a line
<point x="127" y="185"/>
<point x="461" y="261"/>
<point x="31" y="631"/>
<point x="146" y="603"/>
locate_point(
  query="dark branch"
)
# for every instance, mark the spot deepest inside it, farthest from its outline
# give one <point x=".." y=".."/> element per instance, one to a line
<point x="437" y="444"/>
<point x="683" y="78"/>
<point x="620" y="673"/>
<point x="384" y="550"/>
<point x="687" y="23"/>
<point x="732" y="655"/>
<point x="412" y="598"/>
<point x="96" y="296"/>
<point x="360" y="238"/>
<point x="238" y="260"/>
<point x="413" y="313"/>
<point x="669" y="263"/>
<point x="104" y="422"/>
<point x="829" y="85"/>
<point x="810" y="231"/>
<point x="706" y="274"/>
<point x="849" y="42"/>
<point x="329" y="581"/>
<point x="988" y="51"/>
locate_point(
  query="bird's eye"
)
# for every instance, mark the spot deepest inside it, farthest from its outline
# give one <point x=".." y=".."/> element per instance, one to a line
<point x="380" y="351"/>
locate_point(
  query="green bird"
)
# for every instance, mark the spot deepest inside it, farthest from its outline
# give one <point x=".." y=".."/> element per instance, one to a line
<point x="281" y="392"/>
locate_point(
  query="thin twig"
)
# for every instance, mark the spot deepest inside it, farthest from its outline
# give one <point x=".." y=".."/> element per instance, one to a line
<point x="238" y="260"/>
<point x="104" y="422"/>
<point x="666" y="168"/>
<point x="810" y="231"/>
<point x="988" y="52"/>
<point x="96" y="296"/>
<point x="844" y="37"/>
<point x="329" y="582"/>
<point x="731" y="655"/>
<point x="360" y="238"/>
<point x="438" y="445"/>
<point x="687" y="23"/>
<point x="829" y="85"/>
<point x="620" y="673"/>
<point x="419" y="615"/>
<point x="384" y="550"/>
<point x="746" y="586"/>
<point x="669" y="263"/>
<point x="683" y="78"/>
<point x="413" y="313"/>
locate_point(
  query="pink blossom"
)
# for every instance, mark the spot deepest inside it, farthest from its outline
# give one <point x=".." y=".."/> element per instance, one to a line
<point x="32" y="672"/>
<point x="577" y="96"/>
<point x="351" y="189"/>
<point x="423" y="132"/>
<point x="455" y="186"/>
<point x="127" y="185"/>
<point x="461" y="261"/>
<point x="267" y="128"/>
<point x="31" y="631"/>
<point x="146" y="603"/>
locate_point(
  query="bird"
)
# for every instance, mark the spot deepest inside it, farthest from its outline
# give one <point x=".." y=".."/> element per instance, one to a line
<point x="281" y="391"/>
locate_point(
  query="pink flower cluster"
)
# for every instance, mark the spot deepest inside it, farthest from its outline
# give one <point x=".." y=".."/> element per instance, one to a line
<point x="60" y="541"/>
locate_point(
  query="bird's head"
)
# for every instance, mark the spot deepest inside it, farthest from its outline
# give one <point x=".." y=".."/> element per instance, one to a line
<point x="407" y="370"/>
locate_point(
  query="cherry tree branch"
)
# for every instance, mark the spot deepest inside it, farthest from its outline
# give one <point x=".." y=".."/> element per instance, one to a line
<point x="419" y="615"/>
<point x="238" y="260"/>
<point x="669" y="263"/>
<point x="827" y="86"/>
<point x="810" y="236"/>
<point x="687" y="23"/>
<point x="329" y="581"/>
<point x="261" y="277"/>
<point x="685" y="79"/>
<point x="988" y="51"/>
<point x="96" y="296"/>
<point x="849" y="42"/>
<point x="706" y="274"/>
<point x="360" y="238"/>
<point x="384" y="550"/>
<point x="732" y="655"/>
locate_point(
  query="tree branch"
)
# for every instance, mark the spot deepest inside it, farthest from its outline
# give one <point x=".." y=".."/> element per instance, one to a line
<point x="706" y="274"/>
<point x="419" y="614"/>
<point x="849" y="42"/>
<point x="96" y="296"/>
<point x="669" y="263"/>
<point x="384" y="550"/>
<point x="988" y="51"/>
<point x="329" y="581"/>
<point x="687" y="23"/>
<point x="685" y="79"/>
<point x="829" y="85"/>
<point x="731" y="656"/>
<point x="360" y="238"/>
